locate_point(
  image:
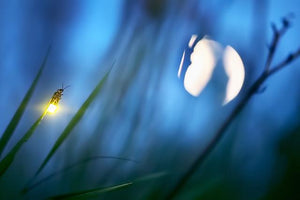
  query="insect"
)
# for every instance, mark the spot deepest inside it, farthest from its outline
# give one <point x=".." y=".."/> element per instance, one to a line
<point x="56" y="98"/>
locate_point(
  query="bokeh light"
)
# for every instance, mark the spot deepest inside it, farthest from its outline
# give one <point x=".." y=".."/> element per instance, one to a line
<point x="52" y="108"/>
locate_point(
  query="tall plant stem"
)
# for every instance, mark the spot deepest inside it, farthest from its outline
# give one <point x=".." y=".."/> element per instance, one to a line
<point x="254" y="88"/>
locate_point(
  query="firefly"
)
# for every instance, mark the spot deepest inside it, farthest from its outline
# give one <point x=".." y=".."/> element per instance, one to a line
<point x="55" y="99"/>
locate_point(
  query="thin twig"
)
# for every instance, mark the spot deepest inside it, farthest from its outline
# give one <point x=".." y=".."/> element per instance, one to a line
<point x="254" y="88"/>
<point x="285" y="62"/>
<point x="277" y="34"/>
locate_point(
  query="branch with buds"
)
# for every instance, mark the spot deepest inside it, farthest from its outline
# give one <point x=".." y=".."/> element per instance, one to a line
<point x="254" y="88"/>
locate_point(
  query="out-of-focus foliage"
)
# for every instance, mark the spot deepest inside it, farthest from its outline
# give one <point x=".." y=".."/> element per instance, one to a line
<point x="286" y="185"/>
<point x="144" y="113"/>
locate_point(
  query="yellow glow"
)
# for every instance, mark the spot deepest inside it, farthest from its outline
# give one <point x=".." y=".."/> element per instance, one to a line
<point x="203" y="62"/>
<point x="52" y="108"/>
<point x="235" y="71"/>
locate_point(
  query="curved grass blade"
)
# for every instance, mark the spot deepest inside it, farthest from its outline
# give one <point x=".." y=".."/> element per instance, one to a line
<point x="8" y="159"/>
<point x="88" y="193"/>
<point x="151" y="176"/>
<point x="18" y="114"/>
<point x="74" y="121"/>
<point x="81" y="162"/>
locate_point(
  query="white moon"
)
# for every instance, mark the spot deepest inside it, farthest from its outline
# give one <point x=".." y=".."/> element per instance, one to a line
<point x="235" y="71"/>
<point x="203" y="62"/>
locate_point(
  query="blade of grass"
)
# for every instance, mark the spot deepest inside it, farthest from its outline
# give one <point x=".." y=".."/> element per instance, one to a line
<point x="81" y="162"/>
<point x="151" y="176"/>
<point x="88" y="193"/>
<point x="8" y="159"/>
<point x="74" y="121"/>
<point x="18" y="114"/>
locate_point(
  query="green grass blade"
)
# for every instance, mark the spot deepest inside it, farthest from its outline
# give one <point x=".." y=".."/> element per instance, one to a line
<point x="8" y="159"/>
<point x="18" y="114"/>
<point x="88" y="193"/>
<point x="74" y="121"/>
<point x="65" y="169"/>
<point x="151" y="176"/>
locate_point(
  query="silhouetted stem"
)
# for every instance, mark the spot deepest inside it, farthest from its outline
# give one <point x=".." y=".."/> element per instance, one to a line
<point x="268" y="71"/>
<point x="220" y="132"/>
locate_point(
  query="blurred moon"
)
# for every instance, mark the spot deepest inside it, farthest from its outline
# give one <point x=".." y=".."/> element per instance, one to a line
<point x="203" y="62"/>
<point x="203" y="59"/>
<point x="234" y="69"/>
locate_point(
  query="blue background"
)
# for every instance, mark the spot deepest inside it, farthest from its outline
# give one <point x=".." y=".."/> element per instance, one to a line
<point x="144" y="112"/>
